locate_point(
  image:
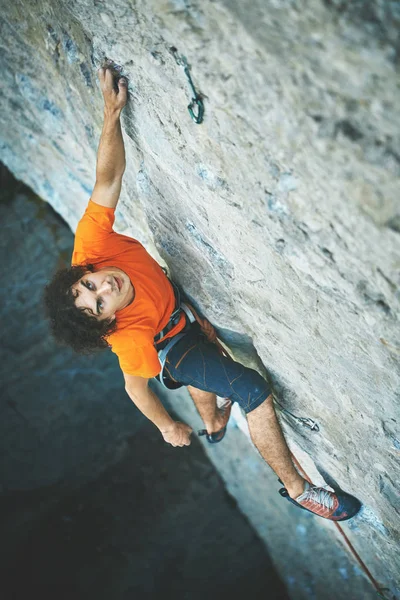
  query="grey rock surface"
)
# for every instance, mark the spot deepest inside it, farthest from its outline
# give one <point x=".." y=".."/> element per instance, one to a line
<point x="278" y="215"/>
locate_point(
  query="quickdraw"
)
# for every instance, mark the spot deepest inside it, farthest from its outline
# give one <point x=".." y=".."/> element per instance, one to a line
<point x="197" y="100"/>
<point x="305" y="421"/>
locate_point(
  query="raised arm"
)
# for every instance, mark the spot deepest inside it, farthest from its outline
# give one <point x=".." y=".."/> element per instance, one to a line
<point x="111" y="153"/>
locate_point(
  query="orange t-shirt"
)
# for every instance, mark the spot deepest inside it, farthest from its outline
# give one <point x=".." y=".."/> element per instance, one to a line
<point x="133" y="341"/>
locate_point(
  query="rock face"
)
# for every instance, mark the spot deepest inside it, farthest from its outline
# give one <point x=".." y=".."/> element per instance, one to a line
<point x="279" y="215"/>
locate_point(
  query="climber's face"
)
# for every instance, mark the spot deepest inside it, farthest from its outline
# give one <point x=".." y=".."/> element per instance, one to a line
<point x="103" y="293"/>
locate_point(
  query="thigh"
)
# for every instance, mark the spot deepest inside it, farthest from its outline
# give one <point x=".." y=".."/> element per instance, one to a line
<point x="200" y="396"/>
<point x="197" y="362"/>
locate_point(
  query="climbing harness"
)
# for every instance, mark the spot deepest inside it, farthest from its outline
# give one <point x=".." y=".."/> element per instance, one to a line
<point x="169" y="343"/>
<point x="175" y="316"/>
<point x="305" y="421"/>
<point x="162" y="357"/>
<point x="164" y="346"/>
<point x="197" y="98"/>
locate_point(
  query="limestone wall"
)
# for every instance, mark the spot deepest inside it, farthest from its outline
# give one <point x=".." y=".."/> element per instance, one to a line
<point x="279" y="214"/>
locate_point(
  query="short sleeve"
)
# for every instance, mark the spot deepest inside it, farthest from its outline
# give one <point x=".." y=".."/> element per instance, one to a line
<point x="136" y="355"/>
<point x="94" y="233"/>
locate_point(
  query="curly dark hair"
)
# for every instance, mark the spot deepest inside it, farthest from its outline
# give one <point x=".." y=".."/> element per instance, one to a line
<point x="70" y="325"/>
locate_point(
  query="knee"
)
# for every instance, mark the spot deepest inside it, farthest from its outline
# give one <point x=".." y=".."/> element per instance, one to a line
<point x="269" y="401"/>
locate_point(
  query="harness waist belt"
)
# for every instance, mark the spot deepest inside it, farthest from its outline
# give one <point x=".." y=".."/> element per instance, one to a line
<point x="162" y="354"/>
<point x="174" y="318"/>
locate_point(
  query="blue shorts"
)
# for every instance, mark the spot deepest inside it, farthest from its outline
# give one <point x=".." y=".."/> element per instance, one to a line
<point x="197" y="362"/>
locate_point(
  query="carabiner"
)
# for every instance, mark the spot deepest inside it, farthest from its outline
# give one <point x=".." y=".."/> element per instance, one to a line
<point x="197" y="118"/>
<point x="307" y="422"/>
<point x="196" y="99"/>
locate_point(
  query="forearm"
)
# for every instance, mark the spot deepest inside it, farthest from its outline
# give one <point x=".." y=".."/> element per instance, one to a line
<point x="111" y="152"/>
<point x="152" y="408"/>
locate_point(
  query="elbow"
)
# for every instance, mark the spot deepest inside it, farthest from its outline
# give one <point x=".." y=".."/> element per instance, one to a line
<point x="136" y="387"/>
<point x="132" y="392"/>
<point x="118" y="171"/>
<point x="110" y="179"/>
<point x="136" y="394"/>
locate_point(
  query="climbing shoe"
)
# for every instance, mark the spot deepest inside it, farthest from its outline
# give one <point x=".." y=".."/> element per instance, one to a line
<point x="213" y="438"/>
<point x="218" y="436"/>
<point x="336" y="506"/>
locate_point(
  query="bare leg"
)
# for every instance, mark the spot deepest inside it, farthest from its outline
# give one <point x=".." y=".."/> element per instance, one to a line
<point x="265" y="432"/>
<point x="267" y="436"/>
<point x="214" y="418"/>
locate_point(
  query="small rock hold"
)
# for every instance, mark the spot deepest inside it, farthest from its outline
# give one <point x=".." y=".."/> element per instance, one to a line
<point x="275" y="206"/>
<point x="348" y="129"/>
<point x="287" y="183"/>
<point x="87" y="75"/>
<point x="107" y="20"/>
<point x="394" y="223"/>
<point x="70" y="48"/>
<point x="328" y="254"/>
<point x="157" y="57"/>
<point x="213" y="181"/>
<point x="274" y="171"/>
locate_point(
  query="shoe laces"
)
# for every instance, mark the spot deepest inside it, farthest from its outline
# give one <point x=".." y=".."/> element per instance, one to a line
<point x="317" y="495"/>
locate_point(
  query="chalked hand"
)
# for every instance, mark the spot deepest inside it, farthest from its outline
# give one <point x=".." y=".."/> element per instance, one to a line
<point x="115" y="90"/>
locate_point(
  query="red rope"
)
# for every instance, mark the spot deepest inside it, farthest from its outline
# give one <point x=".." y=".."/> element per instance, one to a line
<point x="208" y="329"/>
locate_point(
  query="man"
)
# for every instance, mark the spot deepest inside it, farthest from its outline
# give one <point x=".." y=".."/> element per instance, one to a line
<point x="116" y="295"/>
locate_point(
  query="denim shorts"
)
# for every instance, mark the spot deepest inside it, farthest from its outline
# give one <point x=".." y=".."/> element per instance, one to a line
<point x="197" y="362"/>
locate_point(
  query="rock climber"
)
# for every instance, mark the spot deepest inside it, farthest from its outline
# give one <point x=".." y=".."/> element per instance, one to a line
<point x="116" y="295"/>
